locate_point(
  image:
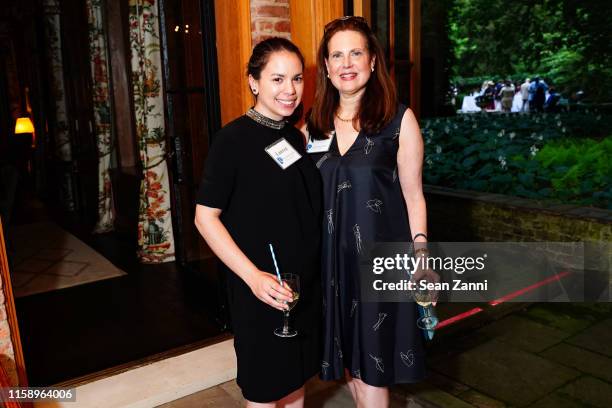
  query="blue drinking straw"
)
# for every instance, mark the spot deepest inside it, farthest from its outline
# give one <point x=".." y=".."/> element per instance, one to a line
<point x="275" y="265"/>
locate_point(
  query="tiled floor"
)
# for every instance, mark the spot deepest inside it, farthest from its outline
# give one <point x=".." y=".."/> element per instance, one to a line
<point x="46" y="257"/>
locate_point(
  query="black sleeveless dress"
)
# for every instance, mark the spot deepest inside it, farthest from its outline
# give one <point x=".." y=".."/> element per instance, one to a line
<point x="377" y="342"/>
<point x="262" y="204"/>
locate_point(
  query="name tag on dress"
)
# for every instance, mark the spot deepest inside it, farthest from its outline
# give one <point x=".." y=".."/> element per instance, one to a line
<point x="318" y="146"/>
<point x="283" y="153"/>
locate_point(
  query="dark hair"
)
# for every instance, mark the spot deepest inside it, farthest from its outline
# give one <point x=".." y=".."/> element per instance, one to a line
<point x="260" y="57"/>
<point x="379" y="102"/>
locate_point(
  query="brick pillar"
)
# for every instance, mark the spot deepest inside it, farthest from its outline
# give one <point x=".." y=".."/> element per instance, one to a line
<point x="269" y="18"/>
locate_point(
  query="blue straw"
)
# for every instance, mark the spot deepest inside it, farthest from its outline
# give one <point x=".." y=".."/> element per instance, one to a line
<point x="275" y="265"/>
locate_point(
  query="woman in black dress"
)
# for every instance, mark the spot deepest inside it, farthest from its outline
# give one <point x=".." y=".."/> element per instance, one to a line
<point x="372" y="193"/>
<point x="248" y="199"/>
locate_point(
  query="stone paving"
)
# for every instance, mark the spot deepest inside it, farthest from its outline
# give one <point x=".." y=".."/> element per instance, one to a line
<point x="546" y="355"/>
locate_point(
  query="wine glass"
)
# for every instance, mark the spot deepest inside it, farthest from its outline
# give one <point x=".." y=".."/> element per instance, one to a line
<point x="291" y="281"/>
<point x="424" y="296"/>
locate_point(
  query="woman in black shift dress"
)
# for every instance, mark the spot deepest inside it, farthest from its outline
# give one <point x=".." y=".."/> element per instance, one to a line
<point x="372" y="193"/>
<point x="246" y="201"/>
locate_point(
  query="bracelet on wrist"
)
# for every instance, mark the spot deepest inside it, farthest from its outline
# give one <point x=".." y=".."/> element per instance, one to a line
<point x="420" y="234"/>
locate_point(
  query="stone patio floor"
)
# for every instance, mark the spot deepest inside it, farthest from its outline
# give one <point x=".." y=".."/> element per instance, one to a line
<point x="543" y="355"/>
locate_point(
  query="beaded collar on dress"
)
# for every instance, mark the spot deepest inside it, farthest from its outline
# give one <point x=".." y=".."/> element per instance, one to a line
<point x="266" y="121"/>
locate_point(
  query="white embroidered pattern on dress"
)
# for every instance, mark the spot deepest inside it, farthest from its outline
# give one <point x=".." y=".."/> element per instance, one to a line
<point x="396" y="133"/>
<point x="324" y="367"/>
<point x="344" y="185"/>
<point x="357" y="233"/>
<point x="354" y="307"/>
<point x="368" y="146"/>
<point x="379" y="363"/>
<point x="329" y="214"/>
<point x="407" y="358"/>
<point x="322" y="160"/>
<point x="337" y="341"/>
<point x="374" y="205"/>
<point x="381" y="317"/>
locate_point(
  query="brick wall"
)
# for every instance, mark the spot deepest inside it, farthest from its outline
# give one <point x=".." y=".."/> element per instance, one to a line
<point x="468" y="216"/>
<point x="269" y="18"/>
<point x="456" y="215"/>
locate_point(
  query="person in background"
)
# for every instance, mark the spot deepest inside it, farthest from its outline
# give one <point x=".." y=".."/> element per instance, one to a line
<point x="507" y="96"/>
<point x="538" y="90"/>
<point x="498" y="86"/>
<point x="525" y="95"/>
<point x="552" y="103"/>
<point x="489" y="95"/>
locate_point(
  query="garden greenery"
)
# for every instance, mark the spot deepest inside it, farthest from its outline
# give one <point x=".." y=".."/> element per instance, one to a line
<point x="559" y="157"/>
<point x="565" y="41"/>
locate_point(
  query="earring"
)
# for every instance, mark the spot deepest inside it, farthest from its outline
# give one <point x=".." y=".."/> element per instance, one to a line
<point x="328" y="75"/>
<point x="254" y="91"/>
<point x="372" y="69"/>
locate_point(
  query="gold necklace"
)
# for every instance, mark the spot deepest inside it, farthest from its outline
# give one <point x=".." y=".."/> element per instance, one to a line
<point x="345" y="120"/>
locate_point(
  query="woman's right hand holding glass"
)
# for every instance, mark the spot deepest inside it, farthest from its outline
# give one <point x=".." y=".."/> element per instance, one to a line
<point x="266" y="288"/>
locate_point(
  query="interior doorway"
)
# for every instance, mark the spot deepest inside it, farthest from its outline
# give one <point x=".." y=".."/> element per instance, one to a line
<point x="193" y="111"/>
<point x="76" y="319"/>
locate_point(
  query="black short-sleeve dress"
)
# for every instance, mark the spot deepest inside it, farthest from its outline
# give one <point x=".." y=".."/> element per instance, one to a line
<point x="261" y="203"/>
<point x="377" y="342"/>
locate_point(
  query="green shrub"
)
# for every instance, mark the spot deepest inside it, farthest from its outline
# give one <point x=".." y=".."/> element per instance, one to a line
<point x="562" y="157"/>
<point x="579" y="168"/>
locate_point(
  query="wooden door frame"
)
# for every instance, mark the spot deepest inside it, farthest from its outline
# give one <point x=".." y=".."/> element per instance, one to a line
<point x="121" y="90"/>
<point x="308" y="19"/>
<point x="233" y="29"/>
<point x="11" y="312"/>
<point x="415" y="57"/>
<point x="363" y="7"/>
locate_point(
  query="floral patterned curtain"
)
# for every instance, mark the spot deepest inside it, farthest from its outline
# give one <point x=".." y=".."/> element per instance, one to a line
<point x="98" y="54"/>
<point x="155" y="236"/>
<point x="63" y="147"/>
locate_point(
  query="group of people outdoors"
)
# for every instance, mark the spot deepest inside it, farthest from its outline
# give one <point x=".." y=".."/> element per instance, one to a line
<point x="275" y="199"/>
<point x="532" y="95"/>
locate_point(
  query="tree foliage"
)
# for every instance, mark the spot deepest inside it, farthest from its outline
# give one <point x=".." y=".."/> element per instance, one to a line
<point x="566" y="41"/>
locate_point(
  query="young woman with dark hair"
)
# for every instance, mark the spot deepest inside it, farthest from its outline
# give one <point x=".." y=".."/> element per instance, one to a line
<point x="369" y="151"/>
<point x="260" y="188"/>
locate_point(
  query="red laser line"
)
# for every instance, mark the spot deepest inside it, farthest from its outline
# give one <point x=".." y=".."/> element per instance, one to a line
<point x="458" y="317"/>
<point x="502" y="299"/>
<point x="528" y="289"/>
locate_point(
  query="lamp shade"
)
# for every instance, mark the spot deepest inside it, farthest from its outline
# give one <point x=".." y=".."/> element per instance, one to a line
<point x="24" y="125"/>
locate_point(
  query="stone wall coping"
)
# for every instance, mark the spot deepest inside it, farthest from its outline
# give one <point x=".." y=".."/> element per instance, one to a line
<point x="601" y="215"/>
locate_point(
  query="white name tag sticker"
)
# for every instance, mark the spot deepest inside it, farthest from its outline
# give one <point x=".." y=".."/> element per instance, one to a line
<point x="283" y="153"/>
<point x="318" y="146"/>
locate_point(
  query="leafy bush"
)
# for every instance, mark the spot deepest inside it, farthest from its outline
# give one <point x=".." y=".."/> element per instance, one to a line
<point x="530" y="156"/>
<point x="578" y="169"/>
